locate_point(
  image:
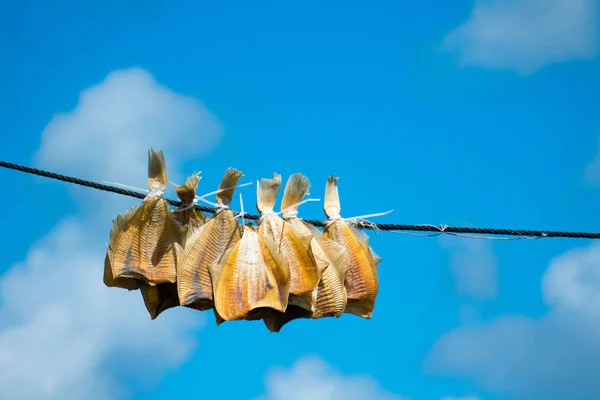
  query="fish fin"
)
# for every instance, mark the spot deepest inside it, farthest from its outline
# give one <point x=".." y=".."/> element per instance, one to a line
<point x="228" y="182"/>
<point x="295" y="189"/>
<point x="157" y="170"/>
<point x="332" y="199"/>
<point x="266" y="192"/>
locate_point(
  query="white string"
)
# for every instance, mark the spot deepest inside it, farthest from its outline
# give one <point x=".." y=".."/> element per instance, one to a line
<point x="156" y="192"/>
<point x="264" y="213"/>
<point x="186" y="206"/>
<point x="359" y="220"/>
<point x="219" y="207"/>
<point x="292" y="214"/>
<point x="242" y="213"/>
<point x="149" y="193"/>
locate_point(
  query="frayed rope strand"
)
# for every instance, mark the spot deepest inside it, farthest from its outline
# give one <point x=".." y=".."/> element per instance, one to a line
<point x="396" y="228"/>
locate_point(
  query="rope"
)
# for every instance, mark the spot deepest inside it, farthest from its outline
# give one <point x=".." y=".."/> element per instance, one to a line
<point x="362" y="224"/>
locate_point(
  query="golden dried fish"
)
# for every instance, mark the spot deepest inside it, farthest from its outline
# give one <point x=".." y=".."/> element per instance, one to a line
<point x="163" y="296"/>
<point x="253" y="279"/>
<point x="295" y="249"/>
<point x="205" y="246"/>
<point x="160" y="297"/>
<point x="330" y="294"/>
<point x="145" y="248"/>
<point x="109" y="280"/>
<point x="187" y="214"/>
<point x="361" y="282"/>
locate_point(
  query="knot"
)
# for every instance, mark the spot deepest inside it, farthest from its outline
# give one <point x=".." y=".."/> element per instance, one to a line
<point x="331" y="220"/>
<point x="156" y="193"/>
<point x="265" y="212"/>
<point x="185" y="207"/>
<point x="242" y="213"/>
<point x="220" y="207"/>
<point x="359" y="220"/>
<point x="289" y="214"/>
<point x="292" y="211"/>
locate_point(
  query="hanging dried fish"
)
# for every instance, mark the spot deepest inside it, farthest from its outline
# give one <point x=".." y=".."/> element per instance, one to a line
<point x="109" y="280"/>
<point x="160" y="297"/>
<point x="163" y="296"/>
<point x="330" y="294"/>
<point x="205" y="246"/>
<point x="295" y="249"/>
<point x="253" y="279"/>
<point x="361" y="282"/>
<point x="187" y="214"/>
<point x="145" y="248"/>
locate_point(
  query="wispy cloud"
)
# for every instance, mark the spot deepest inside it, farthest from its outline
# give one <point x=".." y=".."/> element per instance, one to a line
<point x="554" y="356"/>
<point x="526" y="35"/>
<point x="314" y="379"/>
<point x="474" y="266"/>
<point x="63" y="334"/>
<point x="108" y="134"/>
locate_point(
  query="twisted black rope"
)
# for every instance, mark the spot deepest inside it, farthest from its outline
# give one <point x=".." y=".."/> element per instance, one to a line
<point x="361" y="224"/>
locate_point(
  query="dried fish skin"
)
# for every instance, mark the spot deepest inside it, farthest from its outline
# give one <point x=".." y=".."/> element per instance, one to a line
<point x="295" y="249"/>
<point x="145" y="249"/>
<point x="292" y="246"/>
<point x="159" y="298"/>
<point x="203" y="251"/>
<point x="163" y="296"/>
<point x="186" y="192"/>
<point x="330" y="294"/>
<point x="123" y="283"/>
<point x="109" y="280"/>
<point x="329" y="297"/>
<point x="361" y="281"/>
<point x="275" y="320"/>
<point x="364" y="238"/>
<point x="204" y="248"/>
<point x="253" y="278"/>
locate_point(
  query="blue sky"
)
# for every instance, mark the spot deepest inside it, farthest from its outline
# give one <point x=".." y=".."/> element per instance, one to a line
<point x="456" y="113"/>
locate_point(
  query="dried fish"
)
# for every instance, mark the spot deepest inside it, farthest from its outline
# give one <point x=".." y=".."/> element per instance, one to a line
<point x="295" y="249"/>
<point x="253" y="279"/>
<point x="109" y="280"/>
<point x="330" y="294"/>
<point x="163" y="296"/>
<point x="160" y="297"/>
<point x="145" y="248"/>
<point x="187" y="214"/>
<point x="361" y="281"/>
<point x="205" y="246"/>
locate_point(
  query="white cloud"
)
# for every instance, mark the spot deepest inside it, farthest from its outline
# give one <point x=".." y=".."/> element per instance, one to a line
<point x="312" y="378"/>
<point x="474" y="266"/>
<point x="554" y="356"/>
<point x="63" y="334"/>
<point x="108" y="134"/>
<point x="525" y="35"/>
